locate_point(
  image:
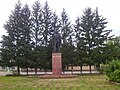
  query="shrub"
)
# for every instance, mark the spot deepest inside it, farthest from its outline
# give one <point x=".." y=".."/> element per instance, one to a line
<point x="102" y="68"/>
<point x="112" y="70"/>
<point x="116" y="76"/>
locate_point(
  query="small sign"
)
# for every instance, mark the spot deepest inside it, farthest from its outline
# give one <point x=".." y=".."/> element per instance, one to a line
<point x="56" y="56"/>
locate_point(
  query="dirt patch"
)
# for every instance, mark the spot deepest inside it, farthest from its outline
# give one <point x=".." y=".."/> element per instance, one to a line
<point x="50" y="76"/>
<point x="116" y="83"/>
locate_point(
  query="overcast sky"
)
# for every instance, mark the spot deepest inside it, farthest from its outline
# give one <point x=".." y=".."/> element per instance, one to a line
<point x="110" y="9"/>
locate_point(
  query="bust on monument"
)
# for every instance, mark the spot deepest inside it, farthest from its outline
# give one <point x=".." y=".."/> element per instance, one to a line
<point x="56" y="42"/>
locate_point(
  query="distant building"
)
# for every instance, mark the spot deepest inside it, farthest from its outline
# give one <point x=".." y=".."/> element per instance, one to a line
<point x="8" y="68"/>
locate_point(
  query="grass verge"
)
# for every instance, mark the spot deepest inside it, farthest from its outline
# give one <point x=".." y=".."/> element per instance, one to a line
<point x="82" y="82"/>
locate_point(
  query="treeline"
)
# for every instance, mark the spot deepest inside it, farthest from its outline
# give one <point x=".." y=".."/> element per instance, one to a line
<point x="28" y="43"/>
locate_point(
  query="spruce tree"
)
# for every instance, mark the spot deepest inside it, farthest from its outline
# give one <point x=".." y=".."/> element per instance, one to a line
<point x="65" y="26"/>
<point x="92" y="29"/>
<point x="13" y="28"/>
<point x="37" y="37"/>
<point x="66" y="33"/>
<point x="47" y="36"/>
<point x="112" y="50"/>
<point x="7" y="52"/>
<point x="18" y="30"/>
<point x="79" y="43"/>
<point x="47" y="23"/>
<point x="25" y="37"/>
<point x="56" y="24"/>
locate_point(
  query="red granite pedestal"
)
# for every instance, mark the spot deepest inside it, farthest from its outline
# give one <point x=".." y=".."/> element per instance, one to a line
<point x="56" y="69"/>
<point x="56" y="63"/>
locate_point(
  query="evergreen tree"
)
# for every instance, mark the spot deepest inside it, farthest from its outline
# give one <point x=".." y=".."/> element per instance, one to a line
<point x="65" y="26"/>
<point x="37" y="37"/>
<point x="80" y="44"/>
<point x="47" y="35"/>
<point x="112" y="50"/>
<point x="37" y="21"/>
<point x="47" y="24"/>
<point x="13" y="27"/>
<point x="7" y="53"/>
<point x="56" y="24"/>
<point x="66" y="34"/>
<point x="92" y="29"/>
<point x="18" y="38"/>
<point x="0" y="59"/>
<point x="25" y="37"/>
<point x="71" y="54"/>
<point x="101" y="35"/>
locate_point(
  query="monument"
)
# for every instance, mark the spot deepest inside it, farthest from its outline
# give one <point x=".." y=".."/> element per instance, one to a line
<point x="56" y="55"/>
<point x="56" y="60"/>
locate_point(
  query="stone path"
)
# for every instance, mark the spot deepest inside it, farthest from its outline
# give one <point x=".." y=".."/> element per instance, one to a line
<point x="3" y="73"/>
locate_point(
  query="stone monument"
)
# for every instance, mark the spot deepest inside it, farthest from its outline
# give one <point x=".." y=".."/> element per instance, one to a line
<point x="56" y="55"/>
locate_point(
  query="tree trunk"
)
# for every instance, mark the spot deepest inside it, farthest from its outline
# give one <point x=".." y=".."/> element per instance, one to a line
<point x="90" y="68"/>
<point x="40" y="69"/>
<point x="67" y="67"/>
<point x="63" y="69"/>
<point x="98" y="67"/>
<point x="71" y="69"/>
<point x="18" y="70"/>
<point x="35" y="70"/>
<point x="45" y="70"/>
<point x="27" y="71"/>
<point x="81" y="68"/>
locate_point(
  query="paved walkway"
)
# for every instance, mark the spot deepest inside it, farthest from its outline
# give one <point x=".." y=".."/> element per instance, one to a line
<point x="3" y="73"/>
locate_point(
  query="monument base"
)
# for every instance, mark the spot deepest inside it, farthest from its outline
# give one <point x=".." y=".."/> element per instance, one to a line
<point x="56" y="63"/>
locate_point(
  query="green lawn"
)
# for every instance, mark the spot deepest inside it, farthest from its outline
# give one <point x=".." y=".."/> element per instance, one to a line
<point x="82" y="82"/>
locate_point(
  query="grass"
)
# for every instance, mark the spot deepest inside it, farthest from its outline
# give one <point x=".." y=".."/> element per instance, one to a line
<point x="82" y="82"/>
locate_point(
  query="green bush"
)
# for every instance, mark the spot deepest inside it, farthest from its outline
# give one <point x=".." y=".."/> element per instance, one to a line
<point x="112" y="70"/>
<point x="116" y="76"/>
<point x="102" y="68"/>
